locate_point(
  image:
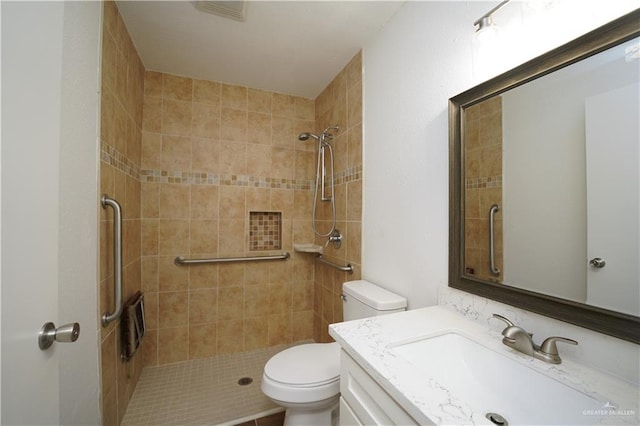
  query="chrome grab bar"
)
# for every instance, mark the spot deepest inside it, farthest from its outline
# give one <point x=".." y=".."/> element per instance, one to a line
<point x="117" y="258"/>
<point x="347" y="268"/>
<point x="181" y="261"/>
<point x="492" y="213"/>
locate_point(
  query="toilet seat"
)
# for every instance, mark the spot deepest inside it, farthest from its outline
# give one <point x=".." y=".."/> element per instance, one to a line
<point x="304" y="373"/>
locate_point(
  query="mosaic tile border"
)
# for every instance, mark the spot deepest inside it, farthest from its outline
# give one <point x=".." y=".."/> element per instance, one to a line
<point x="484" y="182"/>
<point x="114" y="158"/>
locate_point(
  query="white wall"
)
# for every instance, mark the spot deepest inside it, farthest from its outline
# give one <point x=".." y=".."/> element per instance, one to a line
<point x="420" y="59"/>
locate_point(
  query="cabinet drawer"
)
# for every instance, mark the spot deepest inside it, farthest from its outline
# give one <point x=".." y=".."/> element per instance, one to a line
<point x="368" y="401"/>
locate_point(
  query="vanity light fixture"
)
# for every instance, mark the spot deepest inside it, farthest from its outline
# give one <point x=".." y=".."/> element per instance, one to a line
<point x="486" y="28"/>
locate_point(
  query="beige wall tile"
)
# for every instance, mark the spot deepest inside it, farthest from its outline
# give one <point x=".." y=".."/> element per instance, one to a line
<point x="152" y="114"/>
<point x="176" y="117"/>
<point x="233" y="125"/>
<point x="172" y="309"/>
<point x="259" y="128"/>
<point x="280" y="298"/>
<point x="151" y="157"/>
<point x="354" y="106"/>
<point x="150" y="200"/>
<point x="256" y="301"/>
<point x="304" y="108"/>
<point x="170" y="276"/>
<point x="150" y="273"/>
<point x="282" y="133"/>
<point x="174" y="343"/>
<point x="233" y="158"/>
<point x="149" y="237"/>
<point x="257" y="199"/>
<point x="283" y="105"/>
<point x="151" y="310"/>
<point x="204" y="276"/>
<point x="256" y="333"/>
<point x="230" y="336"/>
<point x="231" y="274"/>
<point x="153" y="84"/>
<point x="205" y="155"/>
<point x="173" y="237"/>
<point x="232" y="202"/>
<point x="206" y="121"/>
<point x="279" y="329"/>
<point x="207" y="92"/>
<point x="259" y="100"/>
<point x="176" y="87"/>
<point x="203" y="341"/>
<point x="176" y="153"/>
<point x="234" y="96"/>
<point x="203" y="306"/>
<point x="204" y="202"/>
<point x="174" y="201"/>
<point x="204" y="236"/>
<point x="302" y="296"/>
<point x="282" y="200"/>
<point x="258" y="160"/>
<point x="302" y="326"/>
<point x="354" y="70"/>
<point x="281" y="160"/>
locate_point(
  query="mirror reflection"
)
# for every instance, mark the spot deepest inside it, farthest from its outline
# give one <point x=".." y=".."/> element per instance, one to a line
<point x="552" y="183"/>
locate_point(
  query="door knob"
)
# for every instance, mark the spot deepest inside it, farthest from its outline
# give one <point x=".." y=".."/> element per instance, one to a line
<point x="597" y="262"/>
<point x="49" y="334"/>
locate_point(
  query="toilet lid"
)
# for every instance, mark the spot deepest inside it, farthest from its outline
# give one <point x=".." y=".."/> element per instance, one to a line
<point x="305" y="365"/>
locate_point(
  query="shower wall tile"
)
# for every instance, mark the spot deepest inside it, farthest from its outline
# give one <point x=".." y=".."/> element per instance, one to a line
<point x="259" y="100"/>
<point x="339" y="104"/>
<point x="211" y="153"/>
<point x="122" y="98"/>
<point x="483" y="186"/>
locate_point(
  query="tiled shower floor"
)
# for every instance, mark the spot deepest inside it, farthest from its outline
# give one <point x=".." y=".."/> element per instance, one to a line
<point x="202" y="392"/>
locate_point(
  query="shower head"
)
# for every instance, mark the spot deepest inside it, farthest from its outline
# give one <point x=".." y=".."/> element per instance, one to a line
<point x="305" y="136"/>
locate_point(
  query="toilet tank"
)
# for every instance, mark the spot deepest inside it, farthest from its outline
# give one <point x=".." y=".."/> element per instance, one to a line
<point x="362" y="299"/>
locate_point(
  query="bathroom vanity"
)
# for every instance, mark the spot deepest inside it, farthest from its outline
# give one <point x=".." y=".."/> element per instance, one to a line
<point x="433" y="366"/>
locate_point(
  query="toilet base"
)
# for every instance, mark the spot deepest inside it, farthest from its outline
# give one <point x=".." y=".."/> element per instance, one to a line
<point x="304" y="416"/>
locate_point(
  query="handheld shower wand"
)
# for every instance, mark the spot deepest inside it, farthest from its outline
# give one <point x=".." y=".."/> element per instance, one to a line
<point x="321" y="175"/>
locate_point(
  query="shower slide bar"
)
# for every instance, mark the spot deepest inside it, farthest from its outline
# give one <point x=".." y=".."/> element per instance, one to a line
<point x="347" y="268"/>
<point x="492" y="212"/>
<point x="117" y="258"/>
<point x="181" y="261"/>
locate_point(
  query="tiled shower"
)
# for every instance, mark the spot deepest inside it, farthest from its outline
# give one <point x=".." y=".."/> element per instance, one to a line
<point x="208" y="169"/>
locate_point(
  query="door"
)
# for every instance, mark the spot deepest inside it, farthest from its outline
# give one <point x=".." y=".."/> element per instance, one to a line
<point x="50" y="60"/>
<point x="613" y="199"/>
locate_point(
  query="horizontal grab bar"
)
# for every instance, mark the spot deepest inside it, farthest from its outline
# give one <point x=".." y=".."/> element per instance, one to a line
<point x="347" y="268"/>
<point x="181" y="261"/>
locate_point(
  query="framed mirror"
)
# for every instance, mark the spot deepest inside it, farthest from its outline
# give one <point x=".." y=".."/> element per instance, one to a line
<point x="545" y="183"/>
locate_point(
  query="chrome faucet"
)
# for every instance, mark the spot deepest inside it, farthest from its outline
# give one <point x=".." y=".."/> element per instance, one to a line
<point x="519" y="339"/>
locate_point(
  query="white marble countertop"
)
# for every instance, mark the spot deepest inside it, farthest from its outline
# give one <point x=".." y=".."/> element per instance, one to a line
<point x="369" y="342"/>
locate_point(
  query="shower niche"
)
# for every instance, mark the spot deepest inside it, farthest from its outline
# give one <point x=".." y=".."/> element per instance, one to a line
<point x="265" y="231"/>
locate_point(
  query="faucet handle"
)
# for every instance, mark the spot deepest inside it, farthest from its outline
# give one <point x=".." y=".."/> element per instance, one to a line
<point x="505" y="319"/>
<point x="549" y="345"/>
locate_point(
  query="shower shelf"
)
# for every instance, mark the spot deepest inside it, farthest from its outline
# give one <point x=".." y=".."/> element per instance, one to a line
<point x="308" y="248"/>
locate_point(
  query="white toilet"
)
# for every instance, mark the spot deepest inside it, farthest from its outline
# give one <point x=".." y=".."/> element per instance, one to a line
<point x="305" y="379"/>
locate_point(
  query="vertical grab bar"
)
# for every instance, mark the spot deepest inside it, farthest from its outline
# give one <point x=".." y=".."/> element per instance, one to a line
<point x="117" y="258"/>
<point x="492" y="212"/>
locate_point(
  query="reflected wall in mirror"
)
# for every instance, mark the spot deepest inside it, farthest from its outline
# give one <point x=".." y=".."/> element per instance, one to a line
<point x="545" y="183"/>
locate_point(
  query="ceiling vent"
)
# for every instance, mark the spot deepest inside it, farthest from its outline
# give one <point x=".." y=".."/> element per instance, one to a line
<point x="236" y="10"/>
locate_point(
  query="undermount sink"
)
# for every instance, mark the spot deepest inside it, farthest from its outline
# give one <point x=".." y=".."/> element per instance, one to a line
<point x="494" y="383"/>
